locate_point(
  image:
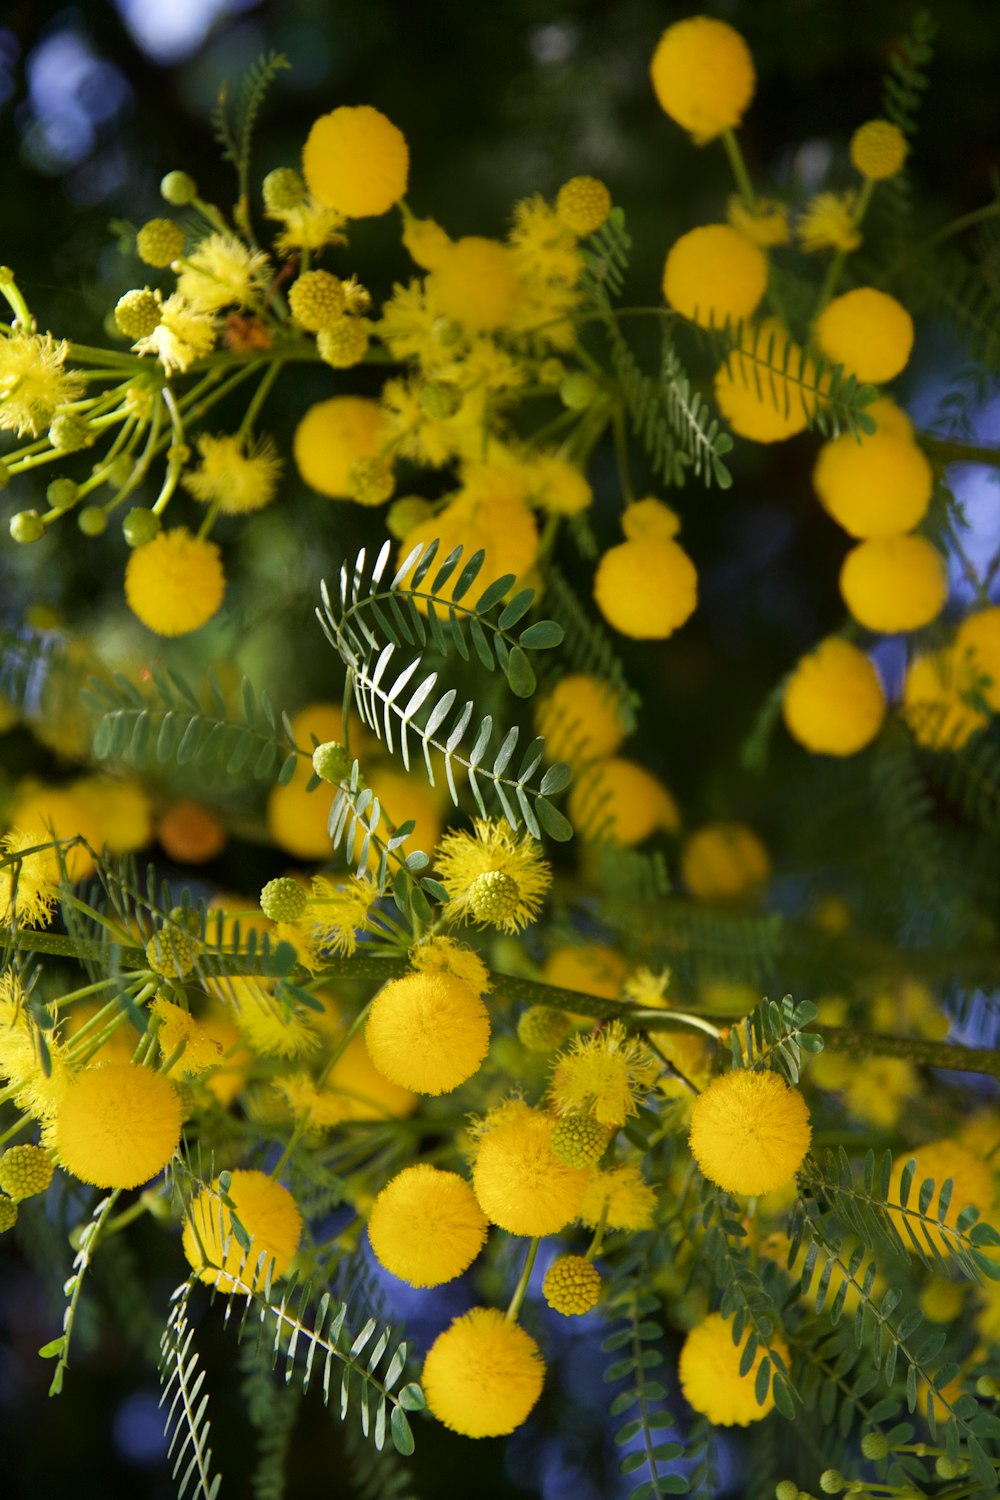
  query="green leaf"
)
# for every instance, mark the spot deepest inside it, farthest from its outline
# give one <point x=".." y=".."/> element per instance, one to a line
<point x="516" y="608"/>
<point x="555" y="825"/>
<point x="402" y="1435"/>
<point x="520" y="674"/>
<point x="52" y="1349"/>
<point x="556" y="779"/>
<point x="542" y="636"/>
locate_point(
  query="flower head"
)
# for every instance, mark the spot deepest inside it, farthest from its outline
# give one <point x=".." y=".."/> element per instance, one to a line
<point x="749" y="1131"/>
<point x="709" y="1371"/>
<point x="827" y="223"/>
<point x="766" y="389"/>
<point x="428" y="1032"/>
<point x="475" y="284"/>
<point x="175" y="583"/>
<point x="766" y="223"/>
<point x="620" y="1197"/>
<point x="426" y="1226"/>
<point x="336" y="913"/>
<point x="572" y="1286"/>
<point x="604" y="1074"/>
<point x="183" y="334"/>
<point x="33" y="381"/>
<point x="483" y="1375"/>
<point x="222" y="272"/>
<point x="437" y="954"/>
<point x="715" y="275"/>
<point x="868" y="332"/>
<point x="494" y="877"/>
<point x="234" y="476"/>
<point x="521" y="1184"/>
<point x="723" y="861"/>
<point x="936" y="693"/>
<point x="269" y="1215"/>
<point x="944" y="1160"/>
<point x="583" y="204"/>
<point x="331" y="436"/>
<point x="581" y="719"/>
<point x="977" y="646"/>
<point x="646" y="589"/>
<point x="118" y="1125"/>
<point x="894" y="582"/>
<point x="35" y="1066"/>
<point x="878" y="149"/>
<point x="29" y="886"/>
<point x="834" y="703"/>
<point x="703" y="76"/>
<point x="880" y="486"/>
<point x="356" y="161"/>
<point x="25" y="1171"/>
<point x="618" y="801"/>
<point x="179" y="1030"/>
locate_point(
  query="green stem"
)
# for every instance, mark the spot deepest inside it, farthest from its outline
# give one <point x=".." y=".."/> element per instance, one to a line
<point x="12" y="292"/>
<point x="598" y="1240"/>
<point x="259" y="397"/>
<point x="950" y="451"/>
<point x="522" y="1283"/>
<point x="739" y="168"/>
<point x="958" y="226"/>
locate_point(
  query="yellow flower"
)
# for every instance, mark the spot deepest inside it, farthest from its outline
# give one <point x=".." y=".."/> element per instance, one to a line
<point x="118" y="1125"/>
<point x="618" y="801"/>
<point x="268" y="1213"/>
<point x="25" y="1171"/>
<point x="572" y="1286"/>
<point x="426" y="1226"/>
<point x="715" y="275"/>
<point x="520" y="1183"/>
<point x="122" y="810"/>
<point x="878" y="149"/>
<point x="428" y="1032"/>
<point x="183" y="334"/>
<point x="436" y="954"/>
<point x="621" y="1197"/>
<point x="356" y="161"/>
<point x="580" y="720"/>
<point x="475" y="284"/>
<point x="583" y="204"/>
<point x="827" y="223"/>
<point x="494" y="877"/>
<point x="935" y="706"/>
<point x="48" y="813"/>
<point x="876" y="1089"/>
<point x="331" y="437"/>
<point x="33" y="381"/>
<point x="868" y="332"/>
<point x="542" y="245"/>
<point x="559" y="487"/>
<point x="709" y="1372"/>
<point x="880" y="486"/>
<point x="591" y="968"/>
<point x="650" y="520"/>
<point x="749" y="1131"/>
<point x="894" y="582"/>
<point x="233" y="476"/>
<point x="29" y="887"/>
<point x="222" y="272"/>
<point x="646" y="589"/>
<point x="723" y="861"/>
<point x="703" y="76"/>
<point x="179" y="1029"/>
<point x="34" y="1067"/>
<point x="337" y="913"/>
<point x="766" y="390"/>
<point x="833" y="702"/>
<point x="483" y="1375"/>
<point x="604" y="1074"/>
<point x="766" y="223"/>
<point x="175" y="583"/>
<point x="271" y="1028"/>
<point x="977" y="647"/>
<point x="425" y="240"/>
<point x="942" y="1160"/>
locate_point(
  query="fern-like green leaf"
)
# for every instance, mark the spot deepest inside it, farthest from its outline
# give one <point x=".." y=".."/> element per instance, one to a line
<point x="187" y="1426"/>
<point x="773" y="1036"/>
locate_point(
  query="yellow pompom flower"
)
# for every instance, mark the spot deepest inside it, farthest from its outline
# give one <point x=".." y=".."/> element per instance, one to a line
<point x="558" y="486"/>
<point x="880" y="486"/>
<point x="356" y="161"/>
<point x="723" y="861"/>
<point x="620" y="1197"/>
<point x="572" y="1286"/>
<point x="646" y="589"/>
<point x="184" y="334"/>
<point x="29" y="887"/>
<point x="122" y="809"/>
<point x="236" y="478"/>
<point x="604" y="1074"/>
<point x="520" y="1183"/>
<point x="833" y="702"/>
<point x="942" y="1160"/>
<point x="878" y="149"/>
<point x="427" y="1032"/>
<point x="268" y="1213"/>
<point x="591" y="968"/>
<point x="426" y="1226"/>
<point x="175" y="583"/>
<point x="749" y="1131"/>
<point x="709" y="1373"/>
<point x="649" y="520"/>
<point x="868" y="332"/>
<point x="494" y="877"/>
<point x="703" y="76"/>
<point x="766" y="390"/>
<point x="618" y="801"/>
<point x="330" y="438"/>
<point x="316" y="299"/>
<point x="580" y="720"/>
<point x="935" y="705"/>
<point x="483" y="1375"/>
<point x="179" y="1032"/>
<point x="715" y="275"/>
<point x="33" y="381"/>
<point x="894" y="582"/>
<point x="436" y="954"/>
<point x="222" y="272"/>
<point x="827" y="223"/>
<point x="977" y="648"/>
<point x="766" y="223"/>
<point x="583" y="204"/>
<point x="475" y="284"/>
<point x="118" y="1125"/>
<point x="876" y="1089"/>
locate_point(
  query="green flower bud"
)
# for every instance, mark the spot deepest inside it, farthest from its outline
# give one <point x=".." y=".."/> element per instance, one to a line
<point x="172" y="952"/>
<point x="440" y="400"/>
<point x="25" y="1171"/>
<point x="140" y="526"/>
<point x="159" y="242"/>
<point x="445" y="331"/>
<point x="119" y="471"/>
<point x="370" y="481"/>
<point x="947" y="1468"/>
<point x="61" y="493"/>
<point x="551" y="371"/>
<point x="283" y="900"/>
<point x="92" y="520"/>
<point x="988" y="1386"/>
<point x="343" y="343"/>
<point x="832" y="1482"/>
<point x="178" y="188"/>
<point x="577" y="390"/>
<point x="542" y="1028"/>
<point x="405" y="513"/>
<point x="283" y="189"/>
<point x="316" y="298"/>
<point x="579" y="1140"/>
<point x="69" y="433"/>
<point x="493" y="897"/>
<point x="875" y="1445"/>
<point x="8" y="1214"/>
<point x="786" y="1489"/>
<point x="331" y="762"/>
<point x="138" y="312"/>
<point x="27" y="526"/>
<point x="187" y="919"/>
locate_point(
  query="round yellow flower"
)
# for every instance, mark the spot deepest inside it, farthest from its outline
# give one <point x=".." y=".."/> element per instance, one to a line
<point x="580" y="719"/>
<point x="889" y="417"/>
<point x="572" y="1286"/>
<point x="972" y="1186"/>
<point x="118" y="1125"/>
<point x="646" y="589"/>
<point x="703" y="76"/>
<point x="724" y="860"/>
<point x="650" y="520"/>
<point x="878" y="149"/>
<point x="483" y="1375"/>
<point x="755" y="395"/>
<point x="475" y="284"/>
<point x="332" y="436"/>
<point x="868" y="332"/>
<point x="520" y="1183"/>
<point x="620" y="1197"/>
<point x="427" y="1032"/>
<point x="879" y="486"/>
<point x="933" y="703"/>
<point x="583" y="204"/>
<point x="29" y="890"/>
<point x="268" y="1213"/>
<point x="175" y="583"/>
<point x="356" y="161"/>
<point x="715" y="275"/>
<point x="833" y="702"/>
<point x="591" y="968"/>
<point x="709" y="1372"/>
<point x="296" y="818"/>
<point x="619" y="801"/>
<point x="977" y="647"/>
<point x="894" y="582"/>
<point x="426" y="1226"/>
<point x="749" y="1131"/>
<point x="236" y="478"/>
<point x="495" y="877"/>
<point x="122" y="809"/>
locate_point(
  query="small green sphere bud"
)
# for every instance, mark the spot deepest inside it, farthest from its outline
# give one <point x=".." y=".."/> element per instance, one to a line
<point x="61" y="493"/>
<point x="551" y="371"/>
<point x="25" y="1171"/>
<point x="579" y="1140"/>
<point x="343" y="343"/>
<point x="69" y="433"/>
<point x="27" y="526"/>
<point x="159" y="242"/>
<point x="577" y="390"/>
<point x="93" y="520"/>
<point x="445" y="331"/>
<point x="406" y="513"/>
<point x="316" y="298"/>
<point x="118" y="471"/>
<point x="187" y="919"/>
<point x="172" y="952"/>
<point x="439" y="400"/>
<point x="541" y="1028"/>
<point x="371" y="481"/>
<point x="178" y="189"/>
<point x="283" y="900"/>
<point x="283" y="189"/>
<point x="875" y="1445"/>
<point x="832" y="1482"/>
<point x="137" y="312"/>
<point x="493" y="897"/>
<point x="140" y="526"/>
<point x="786" y="1489"/>
<point x="8" y="1214"/>
<point x="988" y="1386"/>
<point x="947" y="1468"/>
<point x="331" y="762"/>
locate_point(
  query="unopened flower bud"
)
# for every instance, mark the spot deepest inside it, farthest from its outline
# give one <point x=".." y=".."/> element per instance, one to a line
<point x="27" y="526"/>
<point x="178" y="188"/>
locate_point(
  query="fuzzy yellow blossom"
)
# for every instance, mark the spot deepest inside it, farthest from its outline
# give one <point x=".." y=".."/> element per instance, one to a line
<point x="709" y="1372"/>
<point x="604" y="1074"/>
<point x="179" y="1030"/>
<point x="425" y="240"/>
<point x="583" y="204"/>
<point x="505" y="531"/>
<point x="233" y="476"/>
<point x="48" y="813"/>
<point x="438" y="954"/>
<point x="876" y="1089"/>
<point x="559" y="487"/>
<point x="749" y="1131"/>
<point x="494" y="877"/>
<point x="426" y="1226"/>
<point x="581" y="719"/>
<point x="356" y="161"/>
<point x="122" y="810"/>
<point x="483" y="1375"/>
<point x="868" y="332"/>
<point x="183" y="335"/>
<point x="723" y="861"/>
<point x="221" y="271"/>
<point x="272" y="1028"/>
<point x="29" y="885"/>
<point x="475" y="284"/>
<point x="892" y="583"/>
<point x="649" y="520"/>
<point x="332" y="436"/>
<point x="977" y="647"/>
<point x="880" y="486"/>
<point x="175" y="583"/>
<point x="427" y="1032"/>
<point x="943" y="1160"/>
<point x="878" y="149"/>
<point x="620" y="1197"/>
<point x="834" y="703"/>
<point x="520" y="1183"/>
<point x="937" y="691"/>
<point x="336" y="913"/>
<point x="118" y="1125"/>
<point x="715" y="275"/>
<point x="703" y="76"/>
<point x="591" y="968"/>
<point x="827" y="223"/>
<point x="646" y="589"/>
<point x="767" y="390"/>
<point x="766" y="223"/>
<point x="268" y="1213"/>
<point x="619" y="801"/>
<point x="33" y="381"/>
<point x="35" y="1066"/>
<point x="542" y="245"/>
